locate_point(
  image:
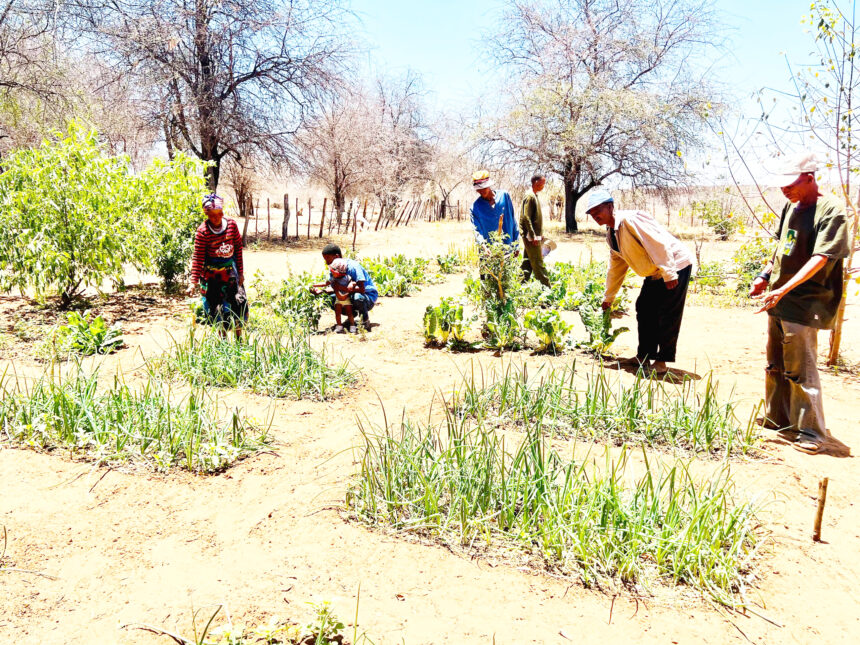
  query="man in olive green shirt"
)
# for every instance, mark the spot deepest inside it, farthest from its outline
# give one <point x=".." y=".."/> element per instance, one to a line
<point x="806" y="276"/>
<point x="531" y="227"/>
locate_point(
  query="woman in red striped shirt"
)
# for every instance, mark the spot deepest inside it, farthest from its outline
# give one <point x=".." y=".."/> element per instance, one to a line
<point x="218" y="269"/>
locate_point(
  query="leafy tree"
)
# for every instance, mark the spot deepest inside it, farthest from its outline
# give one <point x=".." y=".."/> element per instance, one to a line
<point x="601" y="88"/>
<point x="72" y="216"/>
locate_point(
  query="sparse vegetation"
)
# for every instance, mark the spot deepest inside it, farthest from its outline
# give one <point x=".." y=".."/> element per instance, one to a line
<point x="467" y="485"/>
<point x="275" y="364"/>
<point x="118" y="424"/>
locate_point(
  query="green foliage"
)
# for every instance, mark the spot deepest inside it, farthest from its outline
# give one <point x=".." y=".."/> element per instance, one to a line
<point x="86" y="337"/>
<point x="711" y="275"/>
<point x="687" y="415"/>
<point x="168" y="215"/>
<point x="325" y="628"/>
<point x="749" y="260"/>
<point x="597" y="323"/>
<point x="117" y="424"/>
<point x="291" y="299"/>
<point x="397" y="275"/>
<point x="462" y="483"/>
<point x="71" y="216"/>
<point x="444" y="323"/>
<point x="267" y="363"/>
<point x="549" y="327"/>
<point x="568" y="280"/>
<point x="714" y="213"/>
<point x="448" y="263"/>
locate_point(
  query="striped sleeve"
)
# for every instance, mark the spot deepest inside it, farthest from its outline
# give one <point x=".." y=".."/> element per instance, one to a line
<point x="199" y="256"/>
<point x="237" y="249"/>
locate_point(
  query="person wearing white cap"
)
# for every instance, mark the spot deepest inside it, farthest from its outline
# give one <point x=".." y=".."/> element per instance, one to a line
<point x="493" y="212"/>
<point x="805" y="278"/>
<point x="638" y="242"/>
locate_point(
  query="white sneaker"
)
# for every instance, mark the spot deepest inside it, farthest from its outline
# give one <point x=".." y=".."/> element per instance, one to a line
<point x="338" y="329"/>
<point x="353" y="330"/>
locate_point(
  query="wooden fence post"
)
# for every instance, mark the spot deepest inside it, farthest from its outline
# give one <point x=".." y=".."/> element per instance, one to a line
<point x="309" y="217"/>
<point x="247" y="216"/>
<point x="256" y="215"/>
<point x="285" y="225"/>
<point x="268" y="220"/>
<point x="297" y="219"/>
<point x="322" y="217"/>
<point x="355" y="224"/>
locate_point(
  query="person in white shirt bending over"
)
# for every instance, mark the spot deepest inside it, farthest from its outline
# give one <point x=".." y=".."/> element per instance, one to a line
<point x="638" y="242"/>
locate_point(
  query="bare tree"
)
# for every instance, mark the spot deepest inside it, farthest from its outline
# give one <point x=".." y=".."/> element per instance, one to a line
<point x="602" y="88"/>
<point x="221" y="76"/>
<point x="334" y="147"/>
<point x="450" y="164"/>
<point x="398" y="151"/>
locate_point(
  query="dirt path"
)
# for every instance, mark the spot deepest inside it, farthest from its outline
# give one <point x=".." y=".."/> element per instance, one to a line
<point x="266" y="537"/>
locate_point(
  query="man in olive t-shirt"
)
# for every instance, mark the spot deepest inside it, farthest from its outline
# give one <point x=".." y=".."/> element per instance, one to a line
<point x="806" y="277"/>
<point x="531" y="229"/>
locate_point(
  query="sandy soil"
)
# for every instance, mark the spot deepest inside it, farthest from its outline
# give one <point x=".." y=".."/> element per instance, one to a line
<point x="267" y="536"/>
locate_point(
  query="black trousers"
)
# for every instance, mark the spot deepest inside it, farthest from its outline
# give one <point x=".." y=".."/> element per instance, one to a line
<point x="658" y="313"/>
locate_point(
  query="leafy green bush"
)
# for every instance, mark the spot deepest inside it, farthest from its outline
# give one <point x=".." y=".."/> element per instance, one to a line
<point x="291" y="299"/>
<point x="715" y="214"/>
<point x="549" y="327"/>
<point x="448" y="263"/>
<point x="711" y="275"/>
<point x="117" y="424"/>
<point x="83" y="336"/>
<point x="397" y="275"/>
<point x="444" y="323"/>
<point x="71" y="216"/>
<point x="750" y="259"/>
<point x="497" y="294"/>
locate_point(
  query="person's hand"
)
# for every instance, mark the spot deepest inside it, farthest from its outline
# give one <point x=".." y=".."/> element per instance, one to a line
<point x="759" y="286"/>
<point x="770" y="299"/>
<point x="671" y="284"/>
<point x="534" y="242"/>
<point x="606" y="305"/>
<point x="241" y="281"/>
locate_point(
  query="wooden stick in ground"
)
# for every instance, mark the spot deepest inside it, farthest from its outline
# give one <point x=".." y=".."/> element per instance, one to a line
<point x="819" y="514"/>
<point x="285" y="225"/>
<point x="309" y="217"/>
<point x="379" y="219"/>
<point x="256" y="216"/>
<point x="297" y="220"/>
<point x="348" y="218"/>
<point x="402" y="213"/>
<point x="355" y="225"/>
<point x="268" y="219"/>
<point x="410" y="213"/>
<point x="243" y="210"/>
<point x="322" y="217"/>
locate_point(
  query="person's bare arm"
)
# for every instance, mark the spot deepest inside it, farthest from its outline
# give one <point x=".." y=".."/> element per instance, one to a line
<point x="812" y="266"/>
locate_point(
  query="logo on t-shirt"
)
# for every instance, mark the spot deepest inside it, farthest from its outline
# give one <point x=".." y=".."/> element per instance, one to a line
<point x="224" y="251"/>
<point x="790" y="242"/>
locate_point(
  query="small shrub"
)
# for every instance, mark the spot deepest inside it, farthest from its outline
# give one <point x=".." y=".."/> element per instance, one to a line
<point x="749" y="260"/>
<point x="82" y="336"/>
<point x="291" y="299"/>
<point x="448" y="263"/>
<point x="444" y="323"/>
<point x="711" y="275"/>
<point x="397" y="275"/>
<point x="597" y="323"/>
<point x="716" y="214"/>
<point x="549" y="327"/>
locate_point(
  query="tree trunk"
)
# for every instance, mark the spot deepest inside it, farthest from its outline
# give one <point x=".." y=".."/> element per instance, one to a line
<point x="571" y="197"/>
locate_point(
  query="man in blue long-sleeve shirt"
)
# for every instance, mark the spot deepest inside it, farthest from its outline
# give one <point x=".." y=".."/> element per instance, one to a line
<point x="492" y="212"/>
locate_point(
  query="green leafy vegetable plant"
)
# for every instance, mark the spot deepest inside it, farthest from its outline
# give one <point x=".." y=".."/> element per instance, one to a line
<point x="444" y="323"/>
<point x="86" y="337"/>
<point x="549" y="327"/>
